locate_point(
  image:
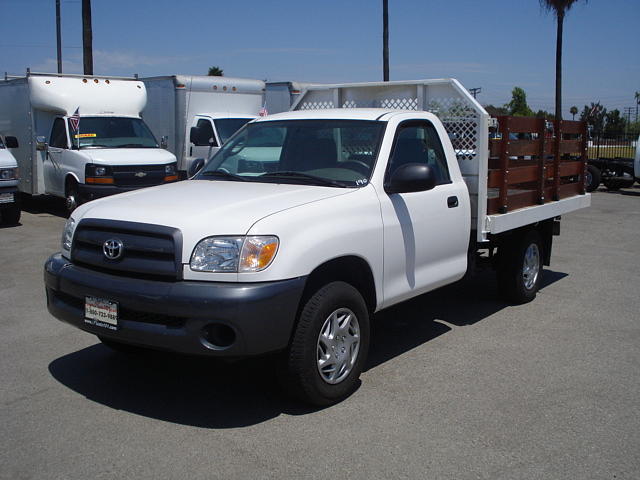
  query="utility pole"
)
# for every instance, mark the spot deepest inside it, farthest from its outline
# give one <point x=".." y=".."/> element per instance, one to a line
<point x="627" y="112"/>
<point x="87" y="38"/>
<point x="475" y="91"/>
<point x="385" y="40"/>
<point x="58" y="36"/>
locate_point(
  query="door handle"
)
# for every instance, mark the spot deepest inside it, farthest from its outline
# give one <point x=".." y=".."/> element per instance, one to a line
<point x="452" y="202"/>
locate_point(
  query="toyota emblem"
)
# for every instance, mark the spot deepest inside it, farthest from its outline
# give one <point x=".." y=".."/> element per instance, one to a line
<point x="113" y="249"/>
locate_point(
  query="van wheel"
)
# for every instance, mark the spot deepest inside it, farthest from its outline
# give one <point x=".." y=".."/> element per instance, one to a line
<point x="329" y="346"/>
<point x="11" y="215"/>
<point x="72" y="197"/>
<point x="592" y="178"/>
<point x="520" y="268"/>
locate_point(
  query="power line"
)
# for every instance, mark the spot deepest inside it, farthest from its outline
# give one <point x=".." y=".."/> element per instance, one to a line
<point x="475" y="91"/>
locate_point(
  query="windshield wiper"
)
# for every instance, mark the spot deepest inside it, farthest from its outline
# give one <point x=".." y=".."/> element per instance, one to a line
<point x="223" y="174"/>
<point x="304" y="176"/>
<point x="134" y="145"/>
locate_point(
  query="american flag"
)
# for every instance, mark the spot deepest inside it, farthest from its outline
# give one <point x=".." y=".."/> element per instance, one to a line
<point x="263" y="111"/>
<point x="74" y="119"/>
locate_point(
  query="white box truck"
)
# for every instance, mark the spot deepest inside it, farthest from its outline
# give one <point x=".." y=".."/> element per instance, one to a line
<point x="9" y="199"/>
<point x="280" y="96"/>
<point x="81" y="137"/>
<point x="199" y="113"/>
<point x="308" y="222"/>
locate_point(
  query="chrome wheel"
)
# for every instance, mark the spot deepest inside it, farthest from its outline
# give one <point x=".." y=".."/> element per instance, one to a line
<point x="531" y="267"/>
<point x="71" y="202"/>
<point x="338" y="345"/>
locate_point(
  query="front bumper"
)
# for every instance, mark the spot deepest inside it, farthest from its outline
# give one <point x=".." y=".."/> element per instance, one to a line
<point x="9" y="197"/>
<point x="93" y="192"/>
<point x="178" y="316"/>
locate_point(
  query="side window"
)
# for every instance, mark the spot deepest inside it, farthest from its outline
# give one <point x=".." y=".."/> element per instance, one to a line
<point x="58" y="134"/>
<point x="206" y="133"/>
<point x="420" y="143"/>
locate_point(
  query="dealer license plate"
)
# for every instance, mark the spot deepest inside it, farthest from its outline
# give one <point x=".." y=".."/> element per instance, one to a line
<point x="101" y="313"/>
<point x="6" y="197"/>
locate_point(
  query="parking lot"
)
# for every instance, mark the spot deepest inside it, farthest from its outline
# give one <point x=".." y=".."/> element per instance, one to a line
<point x="458" y="385"/>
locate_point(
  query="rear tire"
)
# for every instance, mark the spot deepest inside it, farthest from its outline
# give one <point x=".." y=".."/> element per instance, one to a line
<point x="329" y="346"/>
<point x="11" y="215"/>
<point x="592" y="178"/>
<point x="520" y="268"/>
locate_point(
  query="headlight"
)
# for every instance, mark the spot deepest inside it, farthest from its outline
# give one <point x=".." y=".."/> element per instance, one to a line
<point x="8" y="173"/>
<point x="170" y="169"/>
<point x="67" y="235"/>
<point x="93" y="170"/>
<point x="234" y="254"/>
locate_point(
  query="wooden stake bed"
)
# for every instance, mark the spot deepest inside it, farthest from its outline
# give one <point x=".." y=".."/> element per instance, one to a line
<point x="529" y="165"/>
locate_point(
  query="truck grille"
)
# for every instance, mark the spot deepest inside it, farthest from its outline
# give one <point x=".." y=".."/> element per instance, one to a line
<point x="138" y="175"/>
<point x="148" y="251"/>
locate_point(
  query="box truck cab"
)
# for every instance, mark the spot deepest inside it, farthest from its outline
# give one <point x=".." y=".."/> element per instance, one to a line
<point x="9" y="199"/>
<point x="82" y="137"/>
<point x="198" y="113"/>
<point x="210" y="131"/>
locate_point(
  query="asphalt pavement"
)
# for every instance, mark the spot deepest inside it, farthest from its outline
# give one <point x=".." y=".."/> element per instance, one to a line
<point x="459" y="385"/>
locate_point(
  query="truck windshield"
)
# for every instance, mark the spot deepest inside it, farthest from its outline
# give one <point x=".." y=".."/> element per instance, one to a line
<point x="111" y="132"/>
<point x="226" y="127"/>
<point x="339" y="153"/>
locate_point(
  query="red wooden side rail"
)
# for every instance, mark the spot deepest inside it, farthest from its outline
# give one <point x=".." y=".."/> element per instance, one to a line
<point x="530" y="164"/>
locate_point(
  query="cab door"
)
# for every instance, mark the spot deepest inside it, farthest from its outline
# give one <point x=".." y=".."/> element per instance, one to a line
<point x="203" y="139"/>
<point x="426" y="233"/>
<point x="53" y="161"/>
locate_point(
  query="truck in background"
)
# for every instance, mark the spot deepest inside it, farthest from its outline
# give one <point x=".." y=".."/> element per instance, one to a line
<point x="308" y="222"/>
<point x="280" y="96"/>
<point x="82" y="137"/>
<point x="611" y="162"/>
<point x="199" y="113"/>
<point x="9" y="198"/>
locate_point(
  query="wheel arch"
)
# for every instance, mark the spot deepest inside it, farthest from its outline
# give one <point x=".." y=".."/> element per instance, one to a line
<point x="350" y="269"/>
<point x="70" y="176"/>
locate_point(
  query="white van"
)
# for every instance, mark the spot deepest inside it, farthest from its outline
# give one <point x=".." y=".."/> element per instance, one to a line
<point x="199" y="113"/>
<point x="9" y="199"/>
<point x="82" y="137"/>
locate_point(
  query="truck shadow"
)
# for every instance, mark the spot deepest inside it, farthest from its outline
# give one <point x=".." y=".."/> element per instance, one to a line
<point x="209" y="393"/>
<point x="44" y="204"/>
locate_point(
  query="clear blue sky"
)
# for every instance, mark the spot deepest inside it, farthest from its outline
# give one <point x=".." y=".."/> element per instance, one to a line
<point x="493" y="44"/>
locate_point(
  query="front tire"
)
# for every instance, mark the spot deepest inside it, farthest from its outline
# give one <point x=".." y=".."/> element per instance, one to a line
<point x="520" y="268"/>
<point x="592" y="178"/>
<point x="329" y="346"/>
<point x="72" y="195"/>
<point x="11" y="215"/>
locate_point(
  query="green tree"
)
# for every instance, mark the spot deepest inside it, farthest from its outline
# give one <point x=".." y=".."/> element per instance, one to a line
<point x="574" y="111"/>
<point x="496" y="111"/>
<point x="215" y="72"/>
<point x="614" y="123"/>
<point x="594" y="115"/>
<point x="559" y="8"/>
<point x="518" y="104"/>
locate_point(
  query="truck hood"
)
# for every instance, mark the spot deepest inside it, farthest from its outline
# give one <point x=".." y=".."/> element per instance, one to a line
<point x="129" y="156"/>
<point x="7" y="160"/>
<point x="203" y="208"/>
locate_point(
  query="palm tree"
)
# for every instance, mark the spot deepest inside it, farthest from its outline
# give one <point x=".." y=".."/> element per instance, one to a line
<point x="573" y="111"/>
<point x="559" y="8"/>
<point x="215" y="72"/>
<point x="385" y="40"/>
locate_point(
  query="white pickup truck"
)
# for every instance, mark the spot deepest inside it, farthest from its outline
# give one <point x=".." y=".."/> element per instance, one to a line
<point x="306" y="223"/>
<point x="9" y="199"/>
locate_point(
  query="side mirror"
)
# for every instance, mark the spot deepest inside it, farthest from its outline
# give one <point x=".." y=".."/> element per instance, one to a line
<point x="194" y="135"/>
<point x="164" y="141"/>
<point x="212" y="142"/>
<point x="11" y="142"/>
<point x="196" y="166"/>
<point x="41" y="144"/>
<point x="411" y="177"/>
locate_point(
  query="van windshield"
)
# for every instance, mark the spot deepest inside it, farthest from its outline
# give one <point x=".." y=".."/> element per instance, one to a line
<point x="226" y="127"/>
<point x="111" y="132"/>
<point x="336" y="153"/>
